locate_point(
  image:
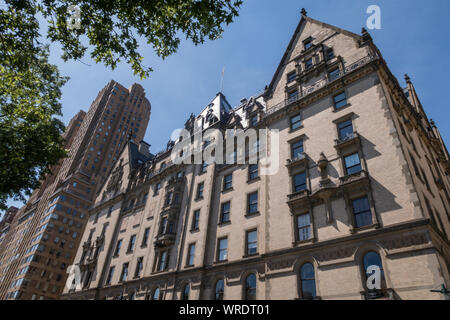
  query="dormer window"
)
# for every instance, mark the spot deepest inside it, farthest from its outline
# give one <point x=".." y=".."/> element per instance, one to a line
<point x="307" y="43"/>
<point x="291" y="76"/>
<point x="330" y="54"/>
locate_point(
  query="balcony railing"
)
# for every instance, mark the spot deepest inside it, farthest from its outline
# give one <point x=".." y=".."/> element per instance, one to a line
<point x="348" y="137"/>
<point x="353" y="177"/>
<point x="321" y="83"/>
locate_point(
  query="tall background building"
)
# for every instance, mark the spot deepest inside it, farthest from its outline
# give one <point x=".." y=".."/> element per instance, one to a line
<point x="363" y="181"/>
<point x="41" y="240"/>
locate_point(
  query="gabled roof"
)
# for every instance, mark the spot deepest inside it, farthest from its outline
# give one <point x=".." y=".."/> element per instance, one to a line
<point x="135" y="155"/>
<point x="303" y="21"/>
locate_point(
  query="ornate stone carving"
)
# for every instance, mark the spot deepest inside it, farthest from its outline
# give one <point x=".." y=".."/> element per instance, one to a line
<point x="115" y="182"/>
<point x="281" y="264"/>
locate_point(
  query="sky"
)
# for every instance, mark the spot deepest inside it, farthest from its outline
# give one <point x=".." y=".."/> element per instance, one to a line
<point x="413" y="39"/>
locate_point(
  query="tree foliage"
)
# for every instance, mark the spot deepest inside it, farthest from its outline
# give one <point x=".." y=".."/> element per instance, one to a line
<point x="30" y="87"/>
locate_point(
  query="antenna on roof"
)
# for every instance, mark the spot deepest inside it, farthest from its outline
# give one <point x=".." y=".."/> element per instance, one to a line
<point x="221" y="80"/>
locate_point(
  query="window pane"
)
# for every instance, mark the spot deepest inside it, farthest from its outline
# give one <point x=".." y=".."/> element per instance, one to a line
<point x="308" y="281"/>
<point x="345" y="129"/>
<point x="373" y="259"/>
<point x="250" y="287"/>
<point x="297" y="149"/>
<point x="361" y="210"/>
<point x="334" y="74"/>
<point x="340" y="100"/>
<point x="296" y="122"/>
<point x="220" y="288"/>
<point x="300" y="182"/>
<point x="253" y="203"/>
<point x="252" y="242"/>
<point x="352" y="163"/>
<point x="156" y="294"/>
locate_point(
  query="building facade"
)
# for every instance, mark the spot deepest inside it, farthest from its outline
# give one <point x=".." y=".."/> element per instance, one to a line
<point x="41" y="241"/>
<point x="362" y="181"/>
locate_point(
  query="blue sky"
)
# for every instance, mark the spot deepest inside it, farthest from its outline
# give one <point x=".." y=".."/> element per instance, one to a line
<point x="413" y="40"/>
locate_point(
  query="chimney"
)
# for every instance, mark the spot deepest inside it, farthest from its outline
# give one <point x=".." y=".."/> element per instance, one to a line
<point x="144" y="148"/>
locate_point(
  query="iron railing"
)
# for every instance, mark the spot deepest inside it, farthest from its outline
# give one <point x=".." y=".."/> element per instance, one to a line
<point x="321" y="83"/>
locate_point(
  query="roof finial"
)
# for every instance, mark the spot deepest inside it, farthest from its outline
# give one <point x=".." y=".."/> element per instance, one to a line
<point x="407" y="79"/>
<point x="366" y="37"/>
<point x="303" y="12"/>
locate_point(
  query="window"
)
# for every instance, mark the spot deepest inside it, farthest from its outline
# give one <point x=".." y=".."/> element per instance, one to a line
<point x="334" y="74"/>
<point x="169" y="198"/>
<point x="196" y="220"/>
<point x="163" y="226"/>
<point x="345" y="129"/>
<point x="228" y="182"/>
<point x="297" y="149"/>
<point x="308" y="63"/>
<point x="110" y="275"/>
<point x="253" y="172"/>
<point x="292" y="95"/>
<point x="307" y="281"/>
<point x="145" y="238"/>
<point x="253" y="120"/>
<point x="250" y="287"/>
<point x="252" y="242"/>
<point x="191" y="255"/>
<point x="304" y="227"/>
<point x="131" y="244"/>
<point x="296" y="122"/>
<point x="225" y="212"/>
<point x="361" y="210"/>
<point x="220" y="289"/>
<point x="307" y="44"/>
<point x="330" y="53"/>
<point x="352" y="164"/>
<point x="186" y="290"/>
<point x="204" y="167"/>
<point x="340" y="100"/>
<point x="163" y="261"/>
<point x="373" y="259"/>
<point x="291" y="76"/>
<point x="109" y="212"/>
<point x="139" y="266"/>
<point x="252" y="203"/>
<point x="156" y="295"/>
<point x="200" y="190"/>
<point x="118" y="246"/>
<point x="157" y="187"/>
<point x="300" y="182"/>
<point x="124" y="275"/>
<point x="222" y="249"/>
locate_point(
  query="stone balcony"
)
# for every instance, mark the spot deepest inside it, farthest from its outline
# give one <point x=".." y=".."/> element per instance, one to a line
<point x="164" y="240"/>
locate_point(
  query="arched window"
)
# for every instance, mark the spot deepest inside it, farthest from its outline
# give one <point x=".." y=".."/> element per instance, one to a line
<point x="372" y="258"/>
<point x="132" y="296"/>
<point x="307" y="281"/>
<point x="187" y="289"/>
<point x="250" y="287"/>
<point x="220" y="288"/>
<point x="156" y="294"/>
